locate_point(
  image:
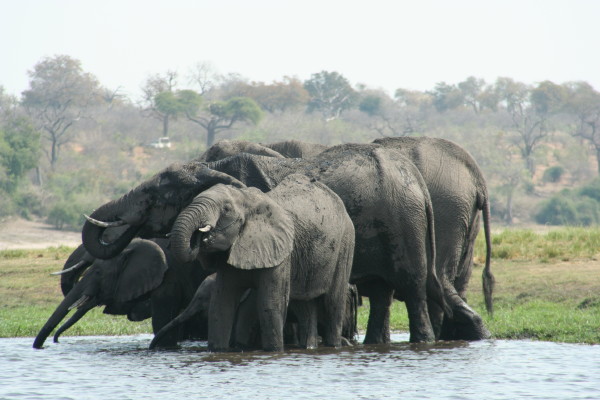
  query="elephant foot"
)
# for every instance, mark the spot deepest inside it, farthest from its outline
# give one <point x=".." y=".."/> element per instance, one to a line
<point x="465" y="324"/>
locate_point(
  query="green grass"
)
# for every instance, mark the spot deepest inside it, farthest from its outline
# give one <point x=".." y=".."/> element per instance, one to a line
<point x="547" y="288"/>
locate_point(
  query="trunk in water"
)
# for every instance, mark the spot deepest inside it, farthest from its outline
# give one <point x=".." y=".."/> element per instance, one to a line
<point x="74" y="319"/>
<point x="59" y="314"/>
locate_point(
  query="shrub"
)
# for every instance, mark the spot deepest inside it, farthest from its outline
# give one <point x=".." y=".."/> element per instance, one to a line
<point x="553" y="174"/>
<point x="591" y="190"/>
<point x="62" y="214"/>
<point x="558" y="210"/>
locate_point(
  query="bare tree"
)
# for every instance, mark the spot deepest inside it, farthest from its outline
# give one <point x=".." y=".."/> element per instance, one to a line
<point x="583" y="105"/>
<point x="205" y="76"/>
<point x="527" y="122"/>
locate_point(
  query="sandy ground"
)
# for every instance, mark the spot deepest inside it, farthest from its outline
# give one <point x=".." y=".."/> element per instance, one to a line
<point x="16" y="233"/>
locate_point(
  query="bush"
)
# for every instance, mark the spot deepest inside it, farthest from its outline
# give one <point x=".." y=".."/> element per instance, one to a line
<point x="558" y="210"/>
<point x="62" y="214"/>
<point x="553" y="174"/>
<point x="591" y="190"/>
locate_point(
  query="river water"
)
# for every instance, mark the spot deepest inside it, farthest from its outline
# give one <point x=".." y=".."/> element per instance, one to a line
<point x="100" y="367"/>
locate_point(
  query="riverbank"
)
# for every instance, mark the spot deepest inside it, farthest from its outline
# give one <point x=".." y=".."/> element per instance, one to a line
<point x="547" y="288"/>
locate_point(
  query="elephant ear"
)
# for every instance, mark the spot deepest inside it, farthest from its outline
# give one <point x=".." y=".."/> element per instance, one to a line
<point x="143" y="267"/>
<point x="267" y="237"/>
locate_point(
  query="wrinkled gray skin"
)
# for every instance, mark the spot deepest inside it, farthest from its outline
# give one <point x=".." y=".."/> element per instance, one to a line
<point x="246" y="330"/>
<point x="293" y="243"/>
<point x="458" y="192"/>
<point x="226" y="148"/>
<point x="383" y="193"/>
<point x="143" y="281"/>
<point x="284" y="149"/>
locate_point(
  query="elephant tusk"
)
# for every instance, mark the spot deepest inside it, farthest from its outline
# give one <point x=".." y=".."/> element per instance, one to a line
<point x="74" y="267"/>
<point x="205" y="228"/>
<point x="82" y="300"/>
<point x="104" y="224"/>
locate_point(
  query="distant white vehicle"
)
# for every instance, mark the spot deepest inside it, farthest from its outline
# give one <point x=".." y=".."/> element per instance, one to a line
<point x="162" y="143"/>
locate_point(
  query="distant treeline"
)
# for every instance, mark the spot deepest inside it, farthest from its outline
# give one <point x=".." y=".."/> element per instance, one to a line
<point x="68" y="144"/>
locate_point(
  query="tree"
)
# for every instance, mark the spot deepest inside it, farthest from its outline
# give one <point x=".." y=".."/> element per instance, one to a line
<point x="330" y="93"/>
<point x="205" y="76"/>
<point x="281" y="96"/>
<point x="446" y="97"/>
<point x="19" y="151"/>
<point x="60" y="94"/>
<point x="583" y="105"/>
<point x="472" y="90"/>
<point x="8" y="104"/>
<point x="218" y="115"/>
<point x="529" y="120"/>
<point x="385" y="116"/>
<point x="158" y="97"/>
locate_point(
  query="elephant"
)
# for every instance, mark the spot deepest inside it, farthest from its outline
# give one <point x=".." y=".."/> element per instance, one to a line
<point x="458" y="192"/>
<point x="143" y="281"/>
<point x="384" y="195"/>
<point x="246" y="331"/>
<point x="284" y="149"/>
<point x="294" y="243"/>
<point x="297" y="149"/>
<point x="226" y="148"/>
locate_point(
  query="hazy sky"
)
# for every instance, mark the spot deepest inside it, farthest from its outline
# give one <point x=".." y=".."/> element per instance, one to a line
<point x="384" y="44"/>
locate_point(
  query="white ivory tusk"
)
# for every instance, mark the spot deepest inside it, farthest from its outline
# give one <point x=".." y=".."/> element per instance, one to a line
<point x="205" y="228"/>
<point x="105" y="224"/>
<point x="64" y="271"/>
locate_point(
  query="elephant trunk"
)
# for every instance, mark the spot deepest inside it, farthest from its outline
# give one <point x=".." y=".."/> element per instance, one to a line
<point x="93" y="233"/>
<point x="185" y="235"/>
<point x="61" y="311"/>
<point x="74" y="319"/>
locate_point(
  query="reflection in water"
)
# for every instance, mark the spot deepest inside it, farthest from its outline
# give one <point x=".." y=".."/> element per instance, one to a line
<point x="123" y="368"/>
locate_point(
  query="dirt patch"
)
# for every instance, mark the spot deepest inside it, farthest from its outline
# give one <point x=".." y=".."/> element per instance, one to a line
<point x="17" y="233"/>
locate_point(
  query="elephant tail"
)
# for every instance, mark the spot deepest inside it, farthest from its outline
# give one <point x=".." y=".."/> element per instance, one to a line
<point x="435" y="290"/>
<point x="488" y="278"/>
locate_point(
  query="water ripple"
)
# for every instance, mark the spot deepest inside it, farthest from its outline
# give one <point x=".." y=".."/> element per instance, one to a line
<point x="123" y="368"/>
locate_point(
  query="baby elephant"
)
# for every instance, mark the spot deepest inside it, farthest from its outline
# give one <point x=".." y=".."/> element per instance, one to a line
<point x="246" y="332"/>
<point x="294" y="243"/>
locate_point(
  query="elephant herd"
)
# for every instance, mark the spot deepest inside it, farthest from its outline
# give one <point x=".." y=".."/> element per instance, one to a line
<point x="256" y="246"/>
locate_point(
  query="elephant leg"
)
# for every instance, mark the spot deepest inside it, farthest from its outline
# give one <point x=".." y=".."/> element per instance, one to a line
<point x="380" y="300"/>
<point x="306" y="314"/>
<point x="334" y="308"/>
<point x="272" y="301"/>
<point x="166" y="303"/>
<point x="246" y="332"/>
<point x="222" y="310"/>
<point x="465" y="324"/>
<point x="436" y="317"/>
<point x="418" y="318"/>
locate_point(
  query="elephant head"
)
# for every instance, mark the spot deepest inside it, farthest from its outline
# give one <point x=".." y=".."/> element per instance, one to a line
<point x="117" y="283"/>
<point x="226" y="148"/>
<point x="149" y="209"/>
<point x="246" y="223"/>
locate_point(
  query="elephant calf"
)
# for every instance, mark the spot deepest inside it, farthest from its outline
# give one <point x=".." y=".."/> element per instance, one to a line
<point x="246" y="332"/>
<point x="143" y="281"/>
<point x="294" y="243"/>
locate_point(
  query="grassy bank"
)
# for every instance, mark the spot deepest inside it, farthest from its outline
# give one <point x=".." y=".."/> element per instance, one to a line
<point x="547" y="288"/>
